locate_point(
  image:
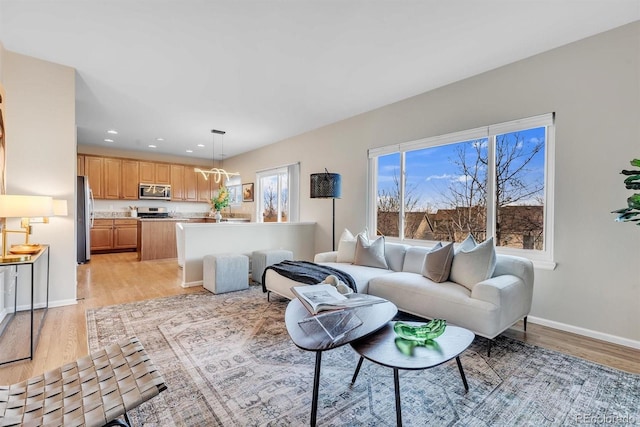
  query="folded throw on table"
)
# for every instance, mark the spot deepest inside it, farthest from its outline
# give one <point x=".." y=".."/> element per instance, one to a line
<point x="308" y="273"/>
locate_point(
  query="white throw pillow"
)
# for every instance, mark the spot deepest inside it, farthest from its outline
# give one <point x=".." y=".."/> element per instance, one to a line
<point x="347" y="246"/>
<point x="475" y="265"/>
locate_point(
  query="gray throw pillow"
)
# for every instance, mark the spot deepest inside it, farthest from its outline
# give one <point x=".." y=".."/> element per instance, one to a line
<point x="370" y="254"/>
<point x="472" y="266"/>
<point x="467" y="244"/>
<point x="437" y="264"/>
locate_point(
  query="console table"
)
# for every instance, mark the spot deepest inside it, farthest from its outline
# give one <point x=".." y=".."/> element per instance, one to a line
<point x="10" y="332"/>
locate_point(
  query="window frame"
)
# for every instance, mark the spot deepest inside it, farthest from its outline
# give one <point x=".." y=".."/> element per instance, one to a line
<point x="541" y="258"/>
<point x="293" y="193"/>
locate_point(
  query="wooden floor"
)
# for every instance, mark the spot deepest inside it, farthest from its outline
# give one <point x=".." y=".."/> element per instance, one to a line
<point x="119" y="278"/>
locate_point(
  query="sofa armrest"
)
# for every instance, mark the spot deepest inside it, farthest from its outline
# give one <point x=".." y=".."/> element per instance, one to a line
<point x="509" y="293"/>
<point x="326" y="257"/>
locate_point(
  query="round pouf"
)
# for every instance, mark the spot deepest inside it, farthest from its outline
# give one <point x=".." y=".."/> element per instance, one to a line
<point x="260" y="260"/>
<point x="225" y="272"/>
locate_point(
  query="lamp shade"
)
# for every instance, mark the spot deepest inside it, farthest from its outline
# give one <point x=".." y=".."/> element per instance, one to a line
<point x="326" y="185"/>
<point x="60" y="207"/>
<point x="14" y="206"/>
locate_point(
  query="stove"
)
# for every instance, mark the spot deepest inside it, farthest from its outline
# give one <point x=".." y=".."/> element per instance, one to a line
<point x="152" y="213"/>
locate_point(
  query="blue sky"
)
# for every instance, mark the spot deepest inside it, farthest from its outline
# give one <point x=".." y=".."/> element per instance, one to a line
<point x="433" y="169"/>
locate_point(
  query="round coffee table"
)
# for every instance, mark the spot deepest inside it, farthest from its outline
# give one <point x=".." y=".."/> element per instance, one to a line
<point x="381" y="348"/>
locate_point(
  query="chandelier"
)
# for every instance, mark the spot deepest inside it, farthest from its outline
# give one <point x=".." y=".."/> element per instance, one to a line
<point x="217" y="173"/>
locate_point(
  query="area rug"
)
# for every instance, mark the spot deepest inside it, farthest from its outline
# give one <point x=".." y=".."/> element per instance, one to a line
<point x="228" y="361"/>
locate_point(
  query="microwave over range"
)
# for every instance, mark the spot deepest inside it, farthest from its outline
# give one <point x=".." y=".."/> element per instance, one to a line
<point x="154" y="191"/>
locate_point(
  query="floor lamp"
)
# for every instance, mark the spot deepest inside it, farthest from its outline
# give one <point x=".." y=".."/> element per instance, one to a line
<point x="327" y="185"/>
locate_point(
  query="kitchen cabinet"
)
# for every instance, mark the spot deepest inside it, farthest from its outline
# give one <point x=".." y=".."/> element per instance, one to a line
<point x="155" y="173"/>
<point x="112" y="178"/>
<point x="157" y="239"/>
<point x="80" y="166"/>
<point x="102" y="235"/>
<point x="129" y="184"/>
<point x="125" y="234"/>
<point x="118" y="178"/>
<point x="205" y="188"/>
<point x="177" y="182"/>
<point x="190" y="184"/>
<point x="184" y="183"/>
<point x="110" y="235"/>
<point x="94" y="169"/>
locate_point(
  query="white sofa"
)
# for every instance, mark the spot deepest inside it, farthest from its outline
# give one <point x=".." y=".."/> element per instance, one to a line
<point x="491" y="307"/>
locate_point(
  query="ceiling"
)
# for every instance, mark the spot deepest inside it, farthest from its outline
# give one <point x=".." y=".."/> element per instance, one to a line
<point x="267" y="70"/>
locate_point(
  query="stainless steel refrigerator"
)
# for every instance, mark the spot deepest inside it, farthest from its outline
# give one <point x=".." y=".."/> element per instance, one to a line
<point x="85" y="220"/>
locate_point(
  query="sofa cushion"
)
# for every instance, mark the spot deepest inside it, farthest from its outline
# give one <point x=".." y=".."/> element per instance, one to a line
<point x="361" y="274"/>
<point x="475" y="265"/>
<point x="395" y="255"/>
<point x="370" y="253"/>
<point x="437" y="264"/>
<point x="466" y="245"/>
<point x="414" y="259"/>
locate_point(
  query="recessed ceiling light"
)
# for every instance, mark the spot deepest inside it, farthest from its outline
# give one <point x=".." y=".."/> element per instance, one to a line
<point x="112" y="132"/>
<point x="159" y="139"/>
<point x="201" y="145"/>
<point x="108" y="140"/>
<point x="189" y="151"/>
<point x="152" y="146"/>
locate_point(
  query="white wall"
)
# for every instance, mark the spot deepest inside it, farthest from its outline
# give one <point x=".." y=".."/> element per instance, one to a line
<point x="41" y="155"/>
<point x="594" y="88"/>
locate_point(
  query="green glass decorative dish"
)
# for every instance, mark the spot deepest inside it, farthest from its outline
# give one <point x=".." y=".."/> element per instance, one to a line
<point x="428" y="331"/>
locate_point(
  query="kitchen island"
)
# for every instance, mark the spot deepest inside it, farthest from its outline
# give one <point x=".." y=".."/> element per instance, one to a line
<point x="157" y="238"/>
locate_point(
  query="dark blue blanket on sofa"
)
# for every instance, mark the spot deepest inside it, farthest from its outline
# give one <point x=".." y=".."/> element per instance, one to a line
<point x="308" y="273"/>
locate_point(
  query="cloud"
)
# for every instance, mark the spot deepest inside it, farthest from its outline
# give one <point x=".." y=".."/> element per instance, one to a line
<point x="443" y="176"/>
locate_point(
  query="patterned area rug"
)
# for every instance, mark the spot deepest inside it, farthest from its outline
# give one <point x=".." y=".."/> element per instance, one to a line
<point x="228" y="361"/>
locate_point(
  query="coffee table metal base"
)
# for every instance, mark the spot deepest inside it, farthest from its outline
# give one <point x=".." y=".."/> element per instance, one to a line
<point x="396" y="383"/>
<point x="380" y="348"/>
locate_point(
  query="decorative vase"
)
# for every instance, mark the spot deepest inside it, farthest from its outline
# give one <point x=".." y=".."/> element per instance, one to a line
<point x="218" y="216"/>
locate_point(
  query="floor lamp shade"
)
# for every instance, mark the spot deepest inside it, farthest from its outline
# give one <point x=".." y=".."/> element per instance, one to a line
<point x="326" y="185"/>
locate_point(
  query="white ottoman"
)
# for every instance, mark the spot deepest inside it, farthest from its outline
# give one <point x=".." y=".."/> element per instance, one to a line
<point x="225" y="273"/>
<point x="260" y="260"/>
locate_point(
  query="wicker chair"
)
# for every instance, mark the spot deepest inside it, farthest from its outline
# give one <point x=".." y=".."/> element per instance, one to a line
<point x="95" y="390"/>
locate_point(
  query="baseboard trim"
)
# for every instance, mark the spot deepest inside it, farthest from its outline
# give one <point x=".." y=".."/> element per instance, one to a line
<point x="192" y="284"/>
<point x="63" y="302"/>
<point x="40" y="305"/>
<point x="614" y="339"/>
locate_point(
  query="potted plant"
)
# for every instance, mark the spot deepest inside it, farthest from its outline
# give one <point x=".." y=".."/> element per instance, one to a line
<point x="219" y="201"/>
<point x="632" y="212"/>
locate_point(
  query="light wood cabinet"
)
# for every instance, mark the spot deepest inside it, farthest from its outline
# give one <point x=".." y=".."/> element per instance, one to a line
<point x="177" y="182"/>
<point x="155" y="173"/>
<point x="80" y="166"/>
<point x="102" y="235"/>
<point x="204" y="188"/>
<point x="190" y="184"/>
<point x="156" y="240"/>
<point x="125" y="234"/>
<point x="129" y="185"/>
<point x="112" y="178"/>
<point x="115" y="178"/>
<point x="109" y="235"/>
<point x="94" y="169"/>
<point x="163" y="173"/>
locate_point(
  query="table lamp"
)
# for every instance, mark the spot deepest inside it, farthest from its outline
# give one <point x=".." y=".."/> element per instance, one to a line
<point x="25" y="207"/>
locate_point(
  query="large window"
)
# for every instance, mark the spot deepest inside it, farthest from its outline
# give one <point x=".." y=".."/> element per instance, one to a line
<point x="277" y="194"/>
<point x="491" y="182"/>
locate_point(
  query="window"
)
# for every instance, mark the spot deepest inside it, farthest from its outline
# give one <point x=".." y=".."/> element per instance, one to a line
<point x="277" y="194"/>
<point x="491" y="182"/>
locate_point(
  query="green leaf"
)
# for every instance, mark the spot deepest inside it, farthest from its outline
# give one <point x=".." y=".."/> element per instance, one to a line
<point x="633" y="186"/>
<point x="623" y="210"/>
<point x="632" y="178"/>
<point x="629" y="172"/>
<point x="635" y="162"/>
<point x="634" y="201"/>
